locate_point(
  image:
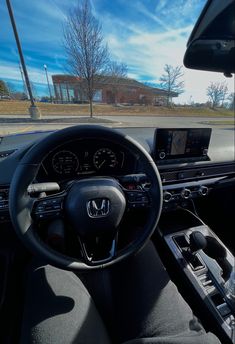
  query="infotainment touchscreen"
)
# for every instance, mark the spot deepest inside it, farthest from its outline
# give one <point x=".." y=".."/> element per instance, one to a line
<point x="181" y="143"/>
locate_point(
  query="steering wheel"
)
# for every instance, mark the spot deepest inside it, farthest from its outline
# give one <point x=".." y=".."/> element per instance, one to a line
<point x="94" y="207"/>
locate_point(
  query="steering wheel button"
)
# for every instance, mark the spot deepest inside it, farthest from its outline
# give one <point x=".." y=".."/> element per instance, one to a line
<point x="131" y="197"/>
<point x="140" y="194"/>
<point x="40" y="210"/>
<point x="56" y="206"/>
<point x="56" y="201"/>
<point x="138" y="199"/>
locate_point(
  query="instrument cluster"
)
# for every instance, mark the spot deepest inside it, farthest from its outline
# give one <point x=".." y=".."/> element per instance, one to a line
<point x="86" y="157"/>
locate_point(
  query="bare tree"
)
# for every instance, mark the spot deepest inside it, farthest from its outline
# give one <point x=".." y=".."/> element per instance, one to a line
<point x="231" y="99"/>
<point x="115" y="74"/>
<point x="19" y="96"/>
<point x="34" y="89"/>
<point x="217" y="92"/>
<point x="11" y="87"/>
<point x="171" y="81"/>
<point x="14" y="94"/>
<point x="3" y="88"/>
<point x="117" y="70"/>
<point x="84" y="44"/>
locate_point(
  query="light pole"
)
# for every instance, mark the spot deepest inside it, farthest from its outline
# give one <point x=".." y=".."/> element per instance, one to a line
<point x="33" y="109"/>
<point x="23" y="80"/>
<point x="49" y="89"/>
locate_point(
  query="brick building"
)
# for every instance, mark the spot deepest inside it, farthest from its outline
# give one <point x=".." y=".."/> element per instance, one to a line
<point x="109" y="90"/>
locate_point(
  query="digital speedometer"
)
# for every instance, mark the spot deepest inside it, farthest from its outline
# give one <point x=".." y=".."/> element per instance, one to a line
<point x="104" y="158"/>
<point x="65" y="162"/>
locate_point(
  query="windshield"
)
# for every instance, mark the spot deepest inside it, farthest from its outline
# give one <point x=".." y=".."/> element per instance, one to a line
<point x="115" y="63"/>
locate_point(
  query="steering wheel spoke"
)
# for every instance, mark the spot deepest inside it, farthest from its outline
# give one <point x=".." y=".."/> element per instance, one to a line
<point x="47" y="208"/>
<point x="98" y="252"/>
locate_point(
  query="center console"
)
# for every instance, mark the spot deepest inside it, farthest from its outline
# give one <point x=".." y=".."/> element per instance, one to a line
<point x="207" y="265"/>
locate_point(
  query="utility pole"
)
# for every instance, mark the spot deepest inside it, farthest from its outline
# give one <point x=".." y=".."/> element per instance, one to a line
<point x="49" y="89"/>
<point x="33" y="109"/>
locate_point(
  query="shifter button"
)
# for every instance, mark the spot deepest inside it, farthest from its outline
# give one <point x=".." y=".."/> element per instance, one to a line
<point x="224" y="309"/>
<point x="206" y="283"/>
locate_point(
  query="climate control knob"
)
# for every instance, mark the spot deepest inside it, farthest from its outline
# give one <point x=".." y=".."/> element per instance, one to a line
<point x="167" y="196"/>
<point x="185" y="193"/>
<point x="203" y="191"/>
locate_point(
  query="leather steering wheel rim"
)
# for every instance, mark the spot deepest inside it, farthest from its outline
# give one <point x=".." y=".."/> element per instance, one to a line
<point x="27" y="169"/>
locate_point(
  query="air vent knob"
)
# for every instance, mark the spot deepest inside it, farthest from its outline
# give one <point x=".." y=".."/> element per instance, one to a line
<point x="203" y="191"/>
<point x="167" y="196"/>
<point x="186" y="193"/>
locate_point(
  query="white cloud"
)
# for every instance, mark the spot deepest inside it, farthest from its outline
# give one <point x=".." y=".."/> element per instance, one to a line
<point x="143" y="10"/>
<point x="146" y="53"/>
<point x="50" y="9"/>
<point x="161" y="4"/>
<point x="149" y="52"/>
<point x="11" y="71"/>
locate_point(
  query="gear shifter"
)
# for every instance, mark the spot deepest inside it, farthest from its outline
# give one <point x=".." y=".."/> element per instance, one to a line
<point x="212" y="248"/>
<point x="197" y="242"/>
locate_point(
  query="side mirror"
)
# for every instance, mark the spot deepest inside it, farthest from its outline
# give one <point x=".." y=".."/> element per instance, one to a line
<point x="211" y="46"/>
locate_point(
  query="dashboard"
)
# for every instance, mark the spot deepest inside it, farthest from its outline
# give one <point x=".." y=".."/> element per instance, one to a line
<point x="190" y="163"/>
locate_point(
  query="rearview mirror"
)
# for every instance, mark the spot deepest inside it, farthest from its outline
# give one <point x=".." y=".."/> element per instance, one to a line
<point x="211" y="46"/>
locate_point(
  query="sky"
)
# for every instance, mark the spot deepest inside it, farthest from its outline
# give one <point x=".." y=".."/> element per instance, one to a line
<point x="143" y="34"/>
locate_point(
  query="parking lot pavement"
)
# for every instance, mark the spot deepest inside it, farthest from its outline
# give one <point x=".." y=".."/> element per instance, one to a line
<point x="13" y="124"/>
<point x="167" y="121"/>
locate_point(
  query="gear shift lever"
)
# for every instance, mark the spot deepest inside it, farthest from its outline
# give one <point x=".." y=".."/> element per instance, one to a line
<point x="197" y="242"/>
<point x="211" y="248"/>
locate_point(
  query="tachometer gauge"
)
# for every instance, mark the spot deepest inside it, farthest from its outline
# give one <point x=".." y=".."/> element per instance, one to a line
<point x="104" y="158"/>
<point x="65" y="162"/>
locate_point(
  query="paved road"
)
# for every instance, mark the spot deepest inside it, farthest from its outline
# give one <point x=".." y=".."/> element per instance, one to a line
<point x="54" y="122"/>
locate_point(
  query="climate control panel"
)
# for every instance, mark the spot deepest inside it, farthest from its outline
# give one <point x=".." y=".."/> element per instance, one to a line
<point x="174" y="195"/>
<point x="185" y="193"/>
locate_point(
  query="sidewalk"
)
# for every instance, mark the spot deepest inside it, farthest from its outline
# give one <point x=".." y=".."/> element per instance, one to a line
<point x="22" y="119"/>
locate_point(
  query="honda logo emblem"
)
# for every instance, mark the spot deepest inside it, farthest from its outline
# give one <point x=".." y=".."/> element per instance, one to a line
<point x="98" y="207"/>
